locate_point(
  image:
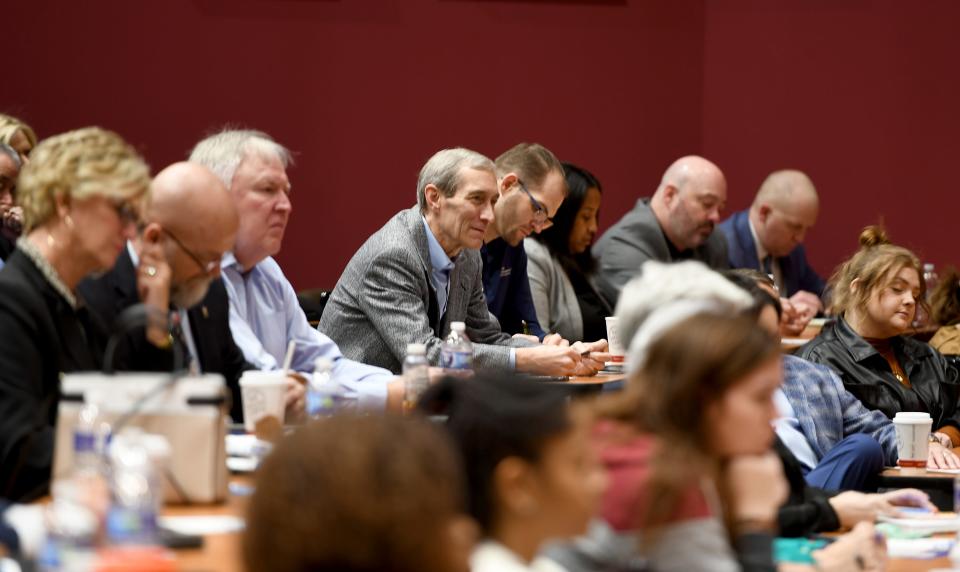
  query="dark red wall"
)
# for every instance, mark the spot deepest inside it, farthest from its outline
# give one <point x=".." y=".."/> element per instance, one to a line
<point x="861" y="94"/>
<point x="366" y="90"/>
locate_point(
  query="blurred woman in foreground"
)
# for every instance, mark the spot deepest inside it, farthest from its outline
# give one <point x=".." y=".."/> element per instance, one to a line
<point x="531" y="476"/>
<point x="364" y="494"/>
<point x="694" y="485"/>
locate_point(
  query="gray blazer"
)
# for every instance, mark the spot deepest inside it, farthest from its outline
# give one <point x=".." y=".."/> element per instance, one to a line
<point x="553" y="294"/>
<point x="637" y="238"/>
<point x="384" y="300"/>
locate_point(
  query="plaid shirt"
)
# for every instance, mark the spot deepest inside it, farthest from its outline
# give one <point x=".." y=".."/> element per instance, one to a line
<point x="828" y="412"/>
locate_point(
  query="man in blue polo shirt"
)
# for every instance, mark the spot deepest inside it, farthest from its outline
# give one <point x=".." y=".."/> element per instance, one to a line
<point x="532" y="187"/>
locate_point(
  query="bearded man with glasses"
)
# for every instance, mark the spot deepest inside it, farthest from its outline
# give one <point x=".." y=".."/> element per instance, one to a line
<point x="173" y="266"/>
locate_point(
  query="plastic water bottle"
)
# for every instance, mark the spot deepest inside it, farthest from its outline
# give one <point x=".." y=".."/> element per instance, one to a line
<point x="88" y="478"/>
<point x="90" y="436"/>
<point x="324" y="395"/>
<point x="136" y="492"/>
<point x="71" y="531"/>
<point x="457" y="352"/>
<point x="416" y="375"/>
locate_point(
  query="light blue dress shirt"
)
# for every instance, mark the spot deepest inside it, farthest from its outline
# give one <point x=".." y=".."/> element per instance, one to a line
<point x="442" y="266"/>
<point x="787" y="427"/>
<point x="265" y="315"/>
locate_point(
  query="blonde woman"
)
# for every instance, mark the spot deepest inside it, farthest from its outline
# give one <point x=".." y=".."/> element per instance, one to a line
<point x="18" y="135"/>
<point x="875" y="298"/>
<point x="80" y="197"/>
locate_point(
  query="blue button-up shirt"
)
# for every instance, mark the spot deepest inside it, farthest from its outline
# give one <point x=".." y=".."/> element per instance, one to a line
<point x="265" y="315"/>
<point x="441" y="266"/>
<point x="787" y="427"/>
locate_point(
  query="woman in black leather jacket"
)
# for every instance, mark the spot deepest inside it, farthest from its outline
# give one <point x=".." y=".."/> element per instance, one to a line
<point x="875" y="297"/>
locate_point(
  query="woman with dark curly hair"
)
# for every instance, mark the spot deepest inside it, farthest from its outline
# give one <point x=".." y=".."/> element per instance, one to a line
<point x="359" y="494"/>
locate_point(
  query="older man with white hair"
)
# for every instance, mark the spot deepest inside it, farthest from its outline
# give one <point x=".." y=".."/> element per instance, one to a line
<point x="265" y="315"/>
<point x="421" y="272"/>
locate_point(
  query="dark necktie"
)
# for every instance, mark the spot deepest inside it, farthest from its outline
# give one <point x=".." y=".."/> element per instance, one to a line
<point x="768" y="265"/>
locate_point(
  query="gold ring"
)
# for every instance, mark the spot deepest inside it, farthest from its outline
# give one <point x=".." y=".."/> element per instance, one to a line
<point x="151" y="271"/>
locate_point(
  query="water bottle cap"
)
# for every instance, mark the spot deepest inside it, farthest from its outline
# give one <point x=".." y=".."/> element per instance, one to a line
<point x="322" y="364"/>
<point x="417" y="349"/>
<point x="458" y="326"/>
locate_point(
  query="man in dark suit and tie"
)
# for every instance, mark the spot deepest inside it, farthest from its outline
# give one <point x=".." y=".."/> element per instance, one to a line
<point x="422" y="271"/>
<point x="173" y="265"/>
<point x="769" y="236"/>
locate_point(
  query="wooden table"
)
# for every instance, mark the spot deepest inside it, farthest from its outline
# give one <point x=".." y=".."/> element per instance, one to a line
<point x="585" y="386"/>
<point x="220" y="552"/>
<point x="938" y="485"/>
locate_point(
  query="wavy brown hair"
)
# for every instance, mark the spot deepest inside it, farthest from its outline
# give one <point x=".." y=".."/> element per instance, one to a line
<point x="873" y="266"/>
<point x="687" y="369"/>
<point x="354" y="494"/>
<point x="945" y="298"/>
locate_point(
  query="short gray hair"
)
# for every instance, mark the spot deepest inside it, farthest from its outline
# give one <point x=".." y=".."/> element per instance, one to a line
<point x="443" y="171"/>
<point x="12" y="153"/>
<point x="223" y="152"/>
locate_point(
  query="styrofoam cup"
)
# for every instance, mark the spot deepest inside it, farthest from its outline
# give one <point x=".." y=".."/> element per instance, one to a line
<point x="263" y="394"/>
<point x="613" y="341"/>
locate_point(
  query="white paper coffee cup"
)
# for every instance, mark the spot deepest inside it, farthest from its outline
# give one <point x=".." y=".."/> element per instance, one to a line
<point x="263" y="394"/>
<point x="913" y="431"/>
<point x="613" y="341"/>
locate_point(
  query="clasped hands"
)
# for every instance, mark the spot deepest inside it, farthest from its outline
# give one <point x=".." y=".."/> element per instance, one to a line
<point x="557" y="356"/>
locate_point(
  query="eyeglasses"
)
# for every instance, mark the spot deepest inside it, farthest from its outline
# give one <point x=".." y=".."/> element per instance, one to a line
<point x="127" y="213"/>
<point x="207" y="267"/>
<point x="540" y="217"/>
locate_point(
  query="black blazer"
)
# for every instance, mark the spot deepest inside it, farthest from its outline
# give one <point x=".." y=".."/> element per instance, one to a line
<point x="110" y="294"/>
<point x="40" y="337"/>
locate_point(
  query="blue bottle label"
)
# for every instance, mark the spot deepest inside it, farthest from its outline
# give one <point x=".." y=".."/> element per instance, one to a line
<point x="456" y="360"/>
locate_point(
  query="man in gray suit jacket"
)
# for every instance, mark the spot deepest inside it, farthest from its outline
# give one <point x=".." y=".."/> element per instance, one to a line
<point x="422" y="271"/>
<point x="677" y="223"/>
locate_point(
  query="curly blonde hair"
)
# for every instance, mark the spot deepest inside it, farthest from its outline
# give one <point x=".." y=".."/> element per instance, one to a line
<point x="872" y="267"/>
<point x="9" y="126"/>
<point x="79" y="164"/>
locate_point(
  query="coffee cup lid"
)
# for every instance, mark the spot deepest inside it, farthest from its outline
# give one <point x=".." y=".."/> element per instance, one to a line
<point x="912" y="417"/>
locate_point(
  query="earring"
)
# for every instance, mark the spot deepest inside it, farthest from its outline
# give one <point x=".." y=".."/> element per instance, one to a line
<point x="68" y="221"/>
